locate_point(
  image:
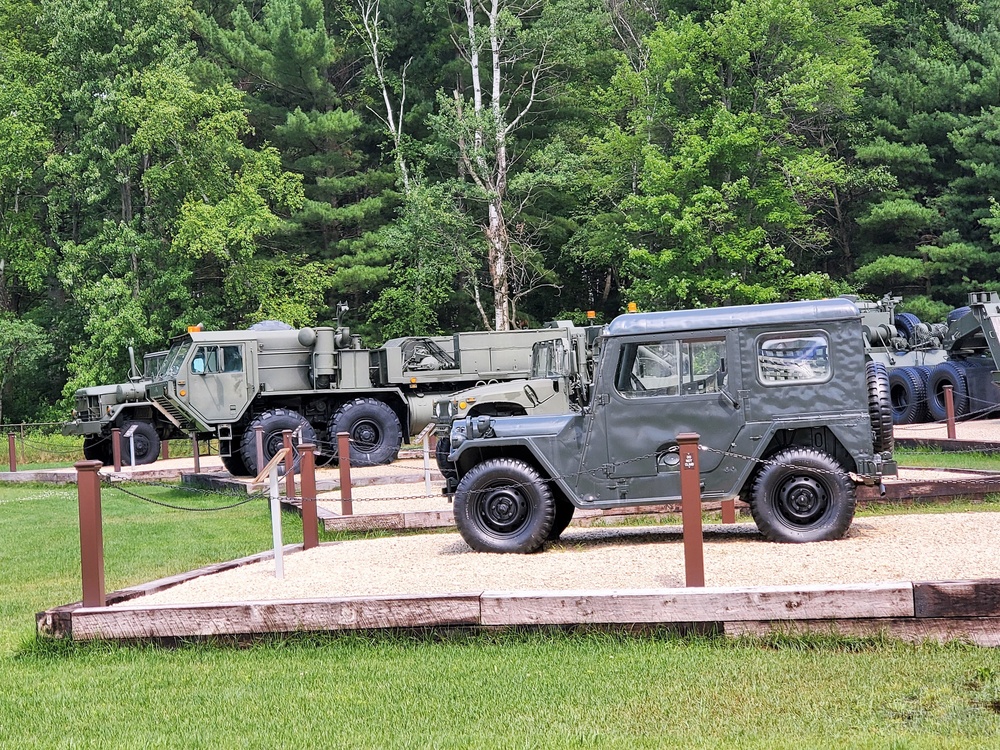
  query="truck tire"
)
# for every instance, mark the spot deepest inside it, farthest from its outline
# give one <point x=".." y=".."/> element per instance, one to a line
<point x="98" y="448"/>
<point x="802" y="495"/>
<point x="564" y="514"/>
<point x="947" y="373"/>
<point x="273" y="423"/>
<point x="235" y="465"/>
<point x="504" y="505"/>
<point x="374" y="430"/>
<point x="906" y="324"/>
<point x="908" y="396"/>
<point x="441" y="451"/>
<point x="147" y="443"/>
<point x="879" y="405"/>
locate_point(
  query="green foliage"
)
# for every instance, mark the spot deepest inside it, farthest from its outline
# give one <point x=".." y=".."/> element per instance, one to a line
<point x="22" y="344"/>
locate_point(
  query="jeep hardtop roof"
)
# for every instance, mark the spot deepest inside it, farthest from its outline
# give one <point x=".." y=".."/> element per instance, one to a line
<point x="733" y="317"/>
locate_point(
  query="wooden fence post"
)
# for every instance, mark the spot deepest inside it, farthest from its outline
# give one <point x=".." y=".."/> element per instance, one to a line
<point x="286" y="439"/>
<point x="949" y="410"/>
<point x="12" y="451"/>
<point x="258" y="436"/>
<point x="307" y="484"/>
<point x="344" y="462"/>
<point x="196" y="451"/>
<point x="88" y="488"/>
<point x="165" y="450"/>
<point x="116" y="448"/>
<point x="729" y="511"/>
<point x="694" y="552"/>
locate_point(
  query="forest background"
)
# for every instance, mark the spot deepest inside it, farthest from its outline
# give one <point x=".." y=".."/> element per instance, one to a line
<point x="448" y="165"/>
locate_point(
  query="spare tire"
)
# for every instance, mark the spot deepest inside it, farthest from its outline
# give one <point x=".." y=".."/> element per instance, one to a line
<point x="958" y="312"/>
<point x="907" y="395"/>
<point x="271" y="325"/>
<point x="953" y="374"/>
<point x="879" y="405"/>
<point x="906" y="324"/>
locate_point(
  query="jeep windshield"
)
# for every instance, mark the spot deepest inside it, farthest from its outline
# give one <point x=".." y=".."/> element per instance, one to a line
<point x="172" y="363"/>
<point x="549" y="360"/>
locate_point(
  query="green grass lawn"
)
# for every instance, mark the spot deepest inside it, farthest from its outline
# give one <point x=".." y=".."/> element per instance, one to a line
<point x="526" y="689"/>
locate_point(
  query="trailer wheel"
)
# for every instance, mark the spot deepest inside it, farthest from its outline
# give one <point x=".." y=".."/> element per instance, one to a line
<point x="235" y="464"/>
<point x="374" y="430"/>
<point x="98" y="448"/>
<point x="504" y="505"/>
<point x="879" y="405"/>
<point x="802" y="495"/>
<point x="953" y="374"/>
<point x="273" y="423"/>
<point x="908" y="395"/>
<point x="147" y="443"/>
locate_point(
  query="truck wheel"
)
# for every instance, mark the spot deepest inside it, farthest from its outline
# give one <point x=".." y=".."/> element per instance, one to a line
<point x="441" y="451"/>
<point x="147" y="444"/>
<point x="564" y="514"/>
<point x="273" y="423"/>
<point x="373" y="428"/>
<point x="98" y="448"/>
<point x="879" y="406"/>
<point x="802" y="495"/>
<point x="504" y="505"/>
<point x="907" y="395"/>
<point x="947" y="373"/>
<point x="235" y="465"/>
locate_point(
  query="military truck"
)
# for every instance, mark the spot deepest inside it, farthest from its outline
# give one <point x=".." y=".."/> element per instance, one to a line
<point x="922" y="358"/>
<point x="559" y="381"/>
<point x="789" y="418"/>
<point x="121" y="405"/>
<point x="317" y="382"/>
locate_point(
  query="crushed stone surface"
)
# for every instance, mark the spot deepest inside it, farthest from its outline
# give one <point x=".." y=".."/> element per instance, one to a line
<point x="946" y="546"/>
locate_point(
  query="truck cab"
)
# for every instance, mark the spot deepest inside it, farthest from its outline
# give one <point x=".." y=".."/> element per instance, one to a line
<point x="787" y="411"/>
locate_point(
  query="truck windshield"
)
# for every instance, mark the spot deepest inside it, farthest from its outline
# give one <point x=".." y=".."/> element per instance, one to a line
<point x="152" y="364"/>
<point x="172" y="364"/>
<point x="549" y="360"/>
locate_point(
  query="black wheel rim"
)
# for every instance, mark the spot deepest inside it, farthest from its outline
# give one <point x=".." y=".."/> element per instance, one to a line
<point x="366" y="435"/>
<point x="272" y="444"/>
<point x="802" y="500"/>
<point x="501" y="510"/>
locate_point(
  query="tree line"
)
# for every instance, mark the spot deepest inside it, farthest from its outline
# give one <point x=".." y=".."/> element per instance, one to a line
<point x="450" y="165"/>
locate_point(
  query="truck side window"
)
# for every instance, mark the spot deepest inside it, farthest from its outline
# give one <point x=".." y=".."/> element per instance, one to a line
<point x="784" y="358"/>
<point x="670" y="368"/>
<point x="206" y="359"/>
<point x="232" y="358"/>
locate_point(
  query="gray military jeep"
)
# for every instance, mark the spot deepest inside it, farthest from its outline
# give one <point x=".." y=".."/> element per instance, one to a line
<point x="789" y="415"/>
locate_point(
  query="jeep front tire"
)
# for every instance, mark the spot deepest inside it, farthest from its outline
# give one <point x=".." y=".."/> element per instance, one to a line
<point x="504" y="505"/>
<point x="802" y="495"/>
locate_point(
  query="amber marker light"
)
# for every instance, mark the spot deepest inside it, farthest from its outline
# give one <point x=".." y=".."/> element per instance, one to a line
<point x="632" y="307"/>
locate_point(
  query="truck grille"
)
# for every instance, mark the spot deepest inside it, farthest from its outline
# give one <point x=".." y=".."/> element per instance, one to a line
<point x="88" y="408"/>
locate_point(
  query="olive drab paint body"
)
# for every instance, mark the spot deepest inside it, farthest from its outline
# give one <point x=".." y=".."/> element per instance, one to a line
<point x="224" y="385"/>
<point x="761" y="385"/>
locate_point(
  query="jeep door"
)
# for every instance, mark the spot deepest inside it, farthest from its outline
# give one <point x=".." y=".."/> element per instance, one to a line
<point x="219" y="388"/>
<point x="652" y="389"/>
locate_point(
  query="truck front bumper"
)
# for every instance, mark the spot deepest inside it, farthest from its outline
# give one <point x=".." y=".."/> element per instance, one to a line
<point x="82" y="428"/>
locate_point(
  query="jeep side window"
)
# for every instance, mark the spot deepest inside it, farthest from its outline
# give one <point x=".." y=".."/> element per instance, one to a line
<point x="669" y="368"/>
<point x="784" y="358"/>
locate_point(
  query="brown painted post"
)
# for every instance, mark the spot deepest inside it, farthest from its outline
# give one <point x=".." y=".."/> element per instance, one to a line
<point x="694" y="553"/>
<point x="258" y="436"/>
<point x="729" y="511"/>
<point x="286" y="439"/>
<point x="196" y="452"/>
<point x="12" y="451"/>
<point x="116" y="448"/>
<point x="88" y="488"/>
<point x="949" y="410"/>
<point x="310" y="522"/>
<point x="165" y="449"/>
<point x="344" y="460"/>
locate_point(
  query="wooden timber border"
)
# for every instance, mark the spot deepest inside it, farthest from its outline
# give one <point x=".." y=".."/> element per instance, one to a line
<point x="912" y="611"/>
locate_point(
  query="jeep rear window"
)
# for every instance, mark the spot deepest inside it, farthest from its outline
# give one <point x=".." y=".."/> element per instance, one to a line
<point x="670" y="368"/>
<point x="793" y="358"/>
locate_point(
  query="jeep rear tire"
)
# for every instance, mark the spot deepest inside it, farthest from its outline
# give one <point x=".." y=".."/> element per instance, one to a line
<point x="564" y="514"/>
<point x="374" y="431"/>
<point x="504" y="505"/>
<point x="879" y="406"/>
<point x="146" y="440"/>
<point x="802" y="495"/>
<point x="273" y="423"/>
